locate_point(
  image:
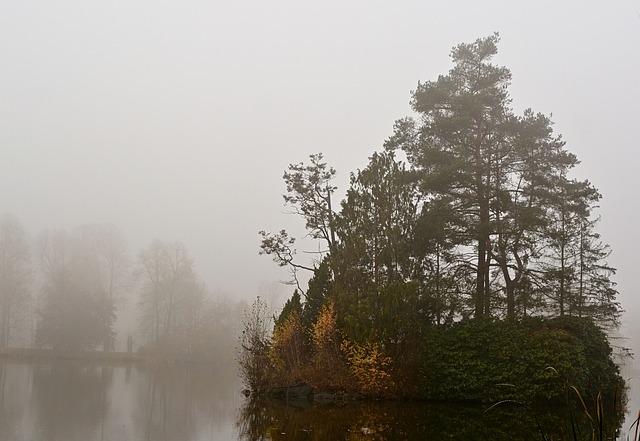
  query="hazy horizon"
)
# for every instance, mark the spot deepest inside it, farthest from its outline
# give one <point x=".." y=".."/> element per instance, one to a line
<point x="176" y="121"/>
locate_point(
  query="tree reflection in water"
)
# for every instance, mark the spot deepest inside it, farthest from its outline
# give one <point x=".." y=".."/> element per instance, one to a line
<point x="9" y="405"/>
<point x="172" y="402"/>
<point x="168" y="402"/>
<point x="65" y="392"/>
<point x="390" y="421"/>
<point x="78" y="401"/>
<point x="85" y="401"/>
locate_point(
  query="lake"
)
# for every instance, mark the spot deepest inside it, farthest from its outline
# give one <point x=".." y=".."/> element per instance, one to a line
<point x="87" y="401"/>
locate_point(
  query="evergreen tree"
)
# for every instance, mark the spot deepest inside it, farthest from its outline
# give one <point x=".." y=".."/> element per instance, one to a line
<point x="318" y="292"/>
<point x="486" y="221"/>
<point x="293" y="305"/>
<point x="376" y="225"/>
<point x="497" y="173"/>
<point x="309" y="194"/>
<point x="379" y="284"/>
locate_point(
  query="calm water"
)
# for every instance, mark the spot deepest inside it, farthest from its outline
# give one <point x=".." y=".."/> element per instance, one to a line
<point x="75" y="401"/>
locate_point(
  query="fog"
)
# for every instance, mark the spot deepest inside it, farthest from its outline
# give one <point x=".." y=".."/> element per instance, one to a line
<point x="176" y="120"/>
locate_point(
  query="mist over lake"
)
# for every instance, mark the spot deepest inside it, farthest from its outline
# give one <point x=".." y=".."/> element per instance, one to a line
<point x="426" y="202"/>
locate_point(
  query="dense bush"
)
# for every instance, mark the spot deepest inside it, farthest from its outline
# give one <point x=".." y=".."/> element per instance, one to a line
<point x="531" y="360"/>
<point x="602" y="373"/>
<point x="488" y="360"/>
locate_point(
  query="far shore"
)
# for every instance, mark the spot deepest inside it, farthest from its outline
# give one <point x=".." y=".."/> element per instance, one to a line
<point x="49" y="354"/>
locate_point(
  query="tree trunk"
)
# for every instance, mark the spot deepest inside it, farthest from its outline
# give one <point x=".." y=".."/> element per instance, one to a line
<point x="480" y="279"/>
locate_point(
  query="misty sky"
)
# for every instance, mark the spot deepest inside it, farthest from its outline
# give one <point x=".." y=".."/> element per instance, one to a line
<point x="176" y="120"/>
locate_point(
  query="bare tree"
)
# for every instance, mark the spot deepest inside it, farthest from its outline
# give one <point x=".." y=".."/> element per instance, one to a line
<point x="253" y="351"/>
<point x="65" y="314"/>
<point x="84" y="274"/>
<point x="100" y="251"/>
<point x="15" y="275"/>
<point x="171" y="294"/>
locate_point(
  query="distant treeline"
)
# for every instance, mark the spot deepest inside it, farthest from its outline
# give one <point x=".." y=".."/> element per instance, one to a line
<point x="64" y="291"/>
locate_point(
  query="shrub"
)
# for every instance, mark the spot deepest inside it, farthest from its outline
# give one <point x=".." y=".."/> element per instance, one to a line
<point x="531" y="360"/>
<point x="289" y="349"/>
<point x="371" y="368"/>
<point x="253" y="351"/>
<point x="329" y="369"/>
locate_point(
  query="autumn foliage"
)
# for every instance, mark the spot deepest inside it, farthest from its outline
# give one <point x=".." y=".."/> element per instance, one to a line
<point x="469" y="215"/>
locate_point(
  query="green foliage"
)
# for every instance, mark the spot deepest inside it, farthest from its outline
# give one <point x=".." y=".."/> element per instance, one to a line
<point x="485" y="222"/>
<point x="292" y="305"/>
<point x="498" y="191"/>
<point x="309" y="194"/>
<point x="392" y="315"/>
<point x="317" y="294"/>
<point x="531" y="360"/>
<point x="289" y="349"/>
<point x="603" y="375"/>
<point x="376" y="224"/>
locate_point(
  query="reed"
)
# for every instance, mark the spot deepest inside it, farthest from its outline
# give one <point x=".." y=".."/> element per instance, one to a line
<point x="599" y="423"/>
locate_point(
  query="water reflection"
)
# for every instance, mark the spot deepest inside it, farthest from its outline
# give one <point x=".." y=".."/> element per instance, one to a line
<point x="169" y="399"/>
<point x="9" y="407"/>
<point x="78" y="401"/>
<point x="75" y="401"/>
<point x="272" y="420"/>
<point x="64" y="392"/>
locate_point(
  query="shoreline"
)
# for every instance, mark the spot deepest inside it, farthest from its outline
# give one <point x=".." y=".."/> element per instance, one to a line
<point x="50" y="354"/>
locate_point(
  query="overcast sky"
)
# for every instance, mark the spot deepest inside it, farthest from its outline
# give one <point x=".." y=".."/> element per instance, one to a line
<point x="175" y="120"/>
